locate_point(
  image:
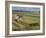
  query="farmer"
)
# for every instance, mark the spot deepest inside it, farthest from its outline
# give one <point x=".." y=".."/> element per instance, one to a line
<point x="18" y="17"/>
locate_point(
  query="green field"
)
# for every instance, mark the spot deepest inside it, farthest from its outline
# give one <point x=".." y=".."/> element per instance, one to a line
<point x="30" y="21"/>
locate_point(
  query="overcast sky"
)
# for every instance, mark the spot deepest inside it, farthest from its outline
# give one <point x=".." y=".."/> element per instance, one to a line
<point x="26" y="8"/>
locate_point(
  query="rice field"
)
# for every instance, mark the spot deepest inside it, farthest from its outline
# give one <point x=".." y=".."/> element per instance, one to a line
<point x="30" y="21"/>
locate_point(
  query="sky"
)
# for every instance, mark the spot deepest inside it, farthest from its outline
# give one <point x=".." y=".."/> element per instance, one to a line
<point x="26" y="8"/>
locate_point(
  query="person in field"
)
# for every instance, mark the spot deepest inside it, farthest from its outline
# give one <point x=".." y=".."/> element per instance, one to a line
<point x="18" y="17"/>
